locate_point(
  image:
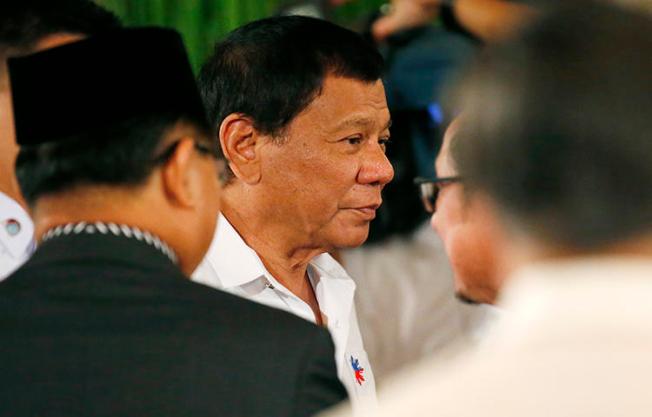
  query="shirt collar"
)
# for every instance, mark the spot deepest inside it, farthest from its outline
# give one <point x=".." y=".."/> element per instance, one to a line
<point x="104" y="249"/>
<point x="23" y="242"/>
<point x="234" y="262"/>
<point x="327" y="266"/>
<point x="334" y="288"/>
<point x="584" y="291"/>
<point x="577" y="279"/>
<point x="237" y="264"/>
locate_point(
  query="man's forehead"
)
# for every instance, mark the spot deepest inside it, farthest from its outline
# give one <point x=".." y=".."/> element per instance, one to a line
<point x="345" y="103"/>
<point x="351" y="90"/>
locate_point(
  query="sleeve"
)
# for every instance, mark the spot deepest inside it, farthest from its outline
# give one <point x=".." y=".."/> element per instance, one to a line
<point x="318" y="386"/>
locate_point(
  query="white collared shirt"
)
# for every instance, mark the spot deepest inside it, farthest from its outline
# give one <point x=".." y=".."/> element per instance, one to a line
<point x="232" y="266"/>
<point x="16" y="236"/>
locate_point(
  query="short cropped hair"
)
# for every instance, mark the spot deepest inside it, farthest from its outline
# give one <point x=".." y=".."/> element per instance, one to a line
<point x="24" y="23"/>
<point x="558" y="127"/>
<point x="272" y="69"/>
<point x="122" y="155"/>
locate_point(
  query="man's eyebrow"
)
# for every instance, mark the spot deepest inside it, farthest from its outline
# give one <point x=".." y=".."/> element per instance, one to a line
<point x="360" y="122"/>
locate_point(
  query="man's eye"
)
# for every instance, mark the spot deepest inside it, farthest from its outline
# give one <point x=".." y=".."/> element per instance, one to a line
<point x="383" y="142"/>
<point x="354" y="140"/>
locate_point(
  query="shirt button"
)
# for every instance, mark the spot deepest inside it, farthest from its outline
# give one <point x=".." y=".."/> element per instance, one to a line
<point x="12" y="226"/>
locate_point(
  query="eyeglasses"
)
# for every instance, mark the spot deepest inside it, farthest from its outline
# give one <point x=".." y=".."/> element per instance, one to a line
<point x="200" y="148"/>
<point x="169" y="151"/>
<point x="429" y="189"/>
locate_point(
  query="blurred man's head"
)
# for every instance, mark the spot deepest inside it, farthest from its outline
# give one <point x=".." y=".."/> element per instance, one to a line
<point x="300" y="111"/>
<point x="28" y="26"/>
<point x="115" y="131"/>
<point x="557" y="134"/>
<point x="460" y="221"/>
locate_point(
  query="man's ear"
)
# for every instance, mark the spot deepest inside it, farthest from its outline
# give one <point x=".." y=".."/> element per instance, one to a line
<point x="177" y="175"/>
<point x="240" y="142"/>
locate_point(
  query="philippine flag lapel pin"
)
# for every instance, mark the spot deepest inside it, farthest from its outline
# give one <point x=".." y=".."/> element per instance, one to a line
<point x="358" y="370"/>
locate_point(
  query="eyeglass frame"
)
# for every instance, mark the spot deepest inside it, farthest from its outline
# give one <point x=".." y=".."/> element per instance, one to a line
<point x="199" y="147"/>
<point x="429" y="196"/>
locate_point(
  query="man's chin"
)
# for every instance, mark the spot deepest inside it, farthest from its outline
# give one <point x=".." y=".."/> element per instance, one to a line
<point x="352" y="238"/>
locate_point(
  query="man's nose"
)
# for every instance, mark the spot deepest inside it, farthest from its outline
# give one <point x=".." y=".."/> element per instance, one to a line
<point x="376" y="169"/>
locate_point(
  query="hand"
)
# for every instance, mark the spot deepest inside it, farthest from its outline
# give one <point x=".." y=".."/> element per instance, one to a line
<point x="405" y="14"/>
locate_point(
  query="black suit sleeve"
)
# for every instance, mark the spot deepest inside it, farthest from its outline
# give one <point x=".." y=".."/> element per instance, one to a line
<point x="318" y="387"/>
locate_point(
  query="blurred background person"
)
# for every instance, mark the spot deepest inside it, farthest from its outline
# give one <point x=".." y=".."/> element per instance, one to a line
<point x="484" y="20"/>
<point x="561" y="167"/>
<point x="26" y="27"/>
<point x="103" y="319"/>
<point x="466" y="234"/>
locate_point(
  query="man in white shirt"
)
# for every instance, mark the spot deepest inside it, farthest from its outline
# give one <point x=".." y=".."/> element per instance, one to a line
<point x="556" y="148"/>
<point x="300" y="112"/>
<point x="26" y="27"/>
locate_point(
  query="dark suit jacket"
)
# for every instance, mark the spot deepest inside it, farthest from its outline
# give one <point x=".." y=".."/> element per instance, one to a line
<point x="97" y="325"/>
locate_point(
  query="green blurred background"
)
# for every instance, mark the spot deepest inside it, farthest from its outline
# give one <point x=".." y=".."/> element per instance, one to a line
<point x="202" y="22"/>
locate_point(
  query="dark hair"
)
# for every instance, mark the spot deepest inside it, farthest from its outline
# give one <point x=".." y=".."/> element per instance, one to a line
<point x="272" y="69"/>
<point x="557" y="126"/>
<point x="23" y="23"/>
<point x="123" y="154"/>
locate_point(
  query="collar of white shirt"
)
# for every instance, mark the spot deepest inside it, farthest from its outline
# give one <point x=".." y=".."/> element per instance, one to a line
<point x="237" y="265"/>
<point x="596" y="293"/>
<point x="15" y="248"/>
<point x="19" y="244"/>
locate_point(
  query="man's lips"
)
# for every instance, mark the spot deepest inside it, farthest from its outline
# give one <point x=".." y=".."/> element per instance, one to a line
<point x="367" y="212"/>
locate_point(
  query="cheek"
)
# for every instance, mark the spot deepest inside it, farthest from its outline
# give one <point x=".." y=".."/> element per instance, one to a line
<point x="466" y="259"/>
<point x="447" y="218"/>
<point x="315" y="183"/>
<point x="470" y="252"/>
<point x="461" y="245"/>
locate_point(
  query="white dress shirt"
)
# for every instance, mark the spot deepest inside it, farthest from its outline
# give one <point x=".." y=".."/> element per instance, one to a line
<point x="16" y="236"/>
<point x="232" y="266"/>
<point x="574" y="341"/>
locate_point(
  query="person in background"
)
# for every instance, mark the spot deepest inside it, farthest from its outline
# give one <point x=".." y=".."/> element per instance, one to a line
<point x="562" y="168"/>
<point x="117" y="164"/>
<point x="299" y="109"/>
<point x="25" y="27"/>
<point x="464" y="230"/>
<point x="486" y="21"/>
<point x="483" y="20"/>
